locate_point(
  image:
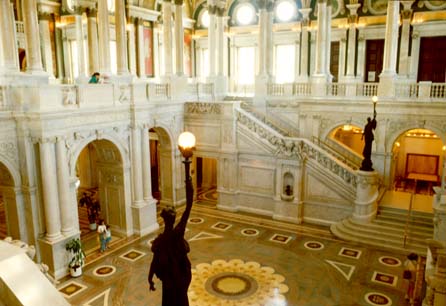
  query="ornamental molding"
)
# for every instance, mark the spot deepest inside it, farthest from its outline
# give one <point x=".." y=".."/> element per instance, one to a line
<point x="9" y="151"/>
<point x="48" y="7"/>
<point x="204" y="108"/>
<point x="142" y="13"/>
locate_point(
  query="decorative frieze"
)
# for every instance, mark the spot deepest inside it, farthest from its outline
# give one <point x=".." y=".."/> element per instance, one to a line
<point x="204" y="108"/>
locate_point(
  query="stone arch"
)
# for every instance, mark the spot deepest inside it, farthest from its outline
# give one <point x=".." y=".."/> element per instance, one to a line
<point x="336" y="124"/>
<point x="113" y="139"/>
<point x="111" y="184"/>
<point x="12" y="201"/>
<point x="398" y="153"/>
<point x="394" y="135"/>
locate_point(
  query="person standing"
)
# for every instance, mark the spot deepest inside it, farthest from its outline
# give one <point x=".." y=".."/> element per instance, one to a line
<point x="95" y="78"/>
<point x="410" y="276"/>
<point x="102" y="231"/>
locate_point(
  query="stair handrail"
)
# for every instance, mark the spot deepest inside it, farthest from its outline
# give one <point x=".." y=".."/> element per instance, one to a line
<point x="335" y="152"/>
<point x="301" y="148"/>
<point x="409" y="212"/>
<point x="279" y="127"/>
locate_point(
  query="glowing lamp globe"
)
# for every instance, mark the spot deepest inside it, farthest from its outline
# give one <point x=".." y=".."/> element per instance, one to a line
<point x="186" y="143"/>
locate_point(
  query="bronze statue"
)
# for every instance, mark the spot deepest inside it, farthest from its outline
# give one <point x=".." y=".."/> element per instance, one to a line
<point x="368" y="137"/>
<point x="170" y="262"/>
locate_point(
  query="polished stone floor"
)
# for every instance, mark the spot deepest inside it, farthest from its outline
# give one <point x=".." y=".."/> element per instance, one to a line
<point x="240" y="259"/>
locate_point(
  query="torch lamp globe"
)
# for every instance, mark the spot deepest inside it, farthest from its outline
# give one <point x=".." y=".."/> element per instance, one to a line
<point x="186" y="144"/>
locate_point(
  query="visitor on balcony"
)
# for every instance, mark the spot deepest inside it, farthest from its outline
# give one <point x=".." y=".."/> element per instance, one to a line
<point x="95" y="78"/>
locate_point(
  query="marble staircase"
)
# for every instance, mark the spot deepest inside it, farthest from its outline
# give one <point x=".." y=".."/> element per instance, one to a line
<point x="388" y="230"/>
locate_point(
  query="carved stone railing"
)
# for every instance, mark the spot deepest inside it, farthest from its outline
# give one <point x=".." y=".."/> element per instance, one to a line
<point x="242" y="90"/>
<point x="438" y="91"/>
<point x="336" y="89"/>
<point x="367" y="89"/>
<point x="274" y="122"/>
<point x="299" y="148"/>
<point x="19" y="27"/>
<point x="158" y="92"/>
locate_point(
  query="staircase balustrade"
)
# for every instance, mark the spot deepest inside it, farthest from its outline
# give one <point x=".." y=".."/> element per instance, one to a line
<point x="336" y="153"/>
<point x="299" y="148"/>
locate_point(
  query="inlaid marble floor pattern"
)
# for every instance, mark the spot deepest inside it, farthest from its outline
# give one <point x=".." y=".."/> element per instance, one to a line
<point x="248" y="263"/>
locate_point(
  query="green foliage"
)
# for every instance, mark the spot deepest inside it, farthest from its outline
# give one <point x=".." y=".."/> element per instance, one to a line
<point x="74" y="246"/>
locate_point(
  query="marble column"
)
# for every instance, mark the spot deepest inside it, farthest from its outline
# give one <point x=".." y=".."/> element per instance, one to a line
<point x="121" y="39"/>
<point x="211" y="39"/>
<point x="179" y="38"/>
<point x="388" y="75"/>
<point x="167" y="37"/>
<point x="304" y="42"/>
<point x="32" y="38"/>
<point x="104" y="37"/>
<point x="50" y="190"/>
<point x="220" y="27"/>
<point x="328" y="39"/>
<point x="263" y="16"/>
<point x="140" y="65"/>
<point x="391" y="39"/>
<point x="93" y="47"/>
<point x="45" y="42"/>
<point x="131" y="46"/>
<point x="269" y="58"/>
<point x="136" y="167"/>
<point x="63" y="183"/>
<point x="406" y="15"/>
<point x="80" y="46"/>
<point x="8" y="50"/>
<point x="351" y="49"/>
<point x="321" y="38"/>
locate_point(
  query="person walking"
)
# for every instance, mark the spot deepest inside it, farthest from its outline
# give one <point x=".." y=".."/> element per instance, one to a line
<point x="107" y="236"/>
<point x="102" y="231"/>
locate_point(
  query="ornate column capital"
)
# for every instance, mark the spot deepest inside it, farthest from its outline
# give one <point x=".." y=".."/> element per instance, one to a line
<point x="212" y="9"/>
<point x="178" y="2"/>
<point x="92" y="12"/>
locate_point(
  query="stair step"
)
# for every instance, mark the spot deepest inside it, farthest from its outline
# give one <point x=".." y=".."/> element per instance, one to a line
<point x="341" y="232"/>
<point x="394" y="210"/>
<point x="413" y="221"/>
<point x="381" y="237"/>
<point x="385" y="233"/>
<point x="425" y="229"/>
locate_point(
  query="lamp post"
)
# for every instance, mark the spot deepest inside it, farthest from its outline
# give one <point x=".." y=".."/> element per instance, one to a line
<point x="186" y="145"/>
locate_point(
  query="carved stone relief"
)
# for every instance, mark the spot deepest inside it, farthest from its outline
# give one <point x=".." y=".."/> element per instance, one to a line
<point x="203" y="108"/>
<point x="9" y="150"/>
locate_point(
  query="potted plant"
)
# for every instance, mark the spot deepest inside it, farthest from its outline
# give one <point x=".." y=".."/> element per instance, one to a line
<point x="74" y="246"/>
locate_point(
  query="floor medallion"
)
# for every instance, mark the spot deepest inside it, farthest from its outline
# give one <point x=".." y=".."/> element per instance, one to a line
<point x="224" y="282"/>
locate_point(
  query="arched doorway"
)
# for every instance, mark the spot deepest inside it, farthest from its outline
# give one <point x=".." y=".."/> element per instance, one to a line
<point x="206" y="179"/>
<point x="99" y="169"/>
<point x="350" y="136"/>
<point x="9" y="223"/>
<point x="417" y="159"/>
<point x="161" y="166"/>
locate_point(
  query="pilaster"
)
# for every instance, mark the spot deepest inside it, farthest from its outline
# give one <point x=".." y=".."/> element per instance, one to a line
<point x="167" y="38"/>
<point x="93" y="46"/>
<point x="121" y="39"/>
<point x="304" y="42"/>
<point x="104" y="38"/>
<point x="8" y="50"/>
<point x="404" y="59"/>
<point x="179" y="38"/>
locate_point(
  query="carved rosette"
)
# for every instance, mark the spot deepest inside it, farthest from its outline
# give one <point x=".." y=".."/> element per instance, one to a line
<point x="204" y="108"/>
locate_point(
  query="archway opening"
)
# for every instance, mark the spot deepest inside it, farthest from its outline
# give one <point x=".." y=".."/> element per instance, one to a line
<point x="416" y="167"/>
<point x="161" y="166"/>
<point x="349" y="136"/>
<point x="100" y="192"/>
<point x="8" y="211"/>
<point x="206" y="179"/>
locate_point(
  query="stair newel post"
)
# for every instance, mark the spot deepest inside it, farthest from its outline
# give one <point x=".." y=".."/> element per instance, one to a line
<point x="366" y="196"/>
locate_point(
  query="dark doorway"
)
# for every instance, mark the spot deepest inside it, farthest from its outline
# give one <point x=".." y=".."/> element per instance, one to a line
<point x="154" y="165"/>
<point x="432" y="62"/>
<point x="374" y="59"/>
<point x="199" y="172"/>
<point x="334" y="60"/>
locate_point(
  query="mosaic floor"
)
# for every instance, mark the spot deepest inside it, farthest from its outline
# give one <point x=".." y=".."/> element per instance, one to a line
<point x="246" y="260"/>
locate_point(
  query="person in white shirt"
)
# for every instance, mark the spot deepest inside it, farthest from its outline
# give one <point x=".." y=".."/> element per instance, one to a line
<point x="410" y="275"/>
<point x="102" y="231"/>
<point x="107" y="236"/>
